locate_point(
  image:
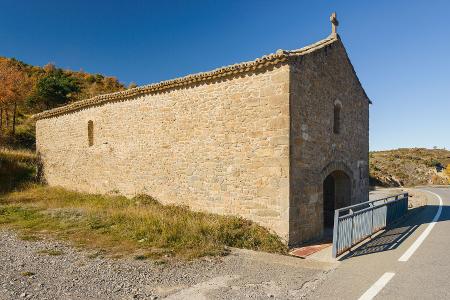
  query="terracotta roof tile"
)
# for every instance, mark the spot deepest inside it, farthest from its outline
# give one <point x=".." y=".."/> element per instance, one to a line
<point x="259" y="63"/>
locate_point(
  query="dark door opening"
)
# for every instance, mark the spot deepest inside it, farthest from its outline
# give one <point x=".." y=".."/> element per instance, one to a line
<point x="336" y="194"/>
<point x="328" y="202"/>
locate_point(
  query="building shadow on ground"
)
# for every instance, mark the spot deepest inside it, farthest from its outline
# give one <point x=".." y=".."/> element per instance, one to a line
<point x="398" y="232"/>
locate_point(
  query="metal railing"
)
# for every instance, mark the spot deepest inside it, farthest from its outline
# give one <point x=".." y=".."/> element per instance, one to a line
<point x="353" y="224"/>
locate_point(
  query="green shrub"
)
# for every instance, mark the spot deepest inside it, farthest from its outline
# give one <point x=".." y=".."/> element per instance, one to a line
<point x="432" y="162"/>
<point x="54" y="89"/>
<point x="90" y="78"/>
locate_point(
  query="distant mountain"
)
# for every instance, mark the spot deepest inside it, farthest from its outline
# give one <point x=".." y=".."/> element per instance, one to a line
<point x="409" y="167"/>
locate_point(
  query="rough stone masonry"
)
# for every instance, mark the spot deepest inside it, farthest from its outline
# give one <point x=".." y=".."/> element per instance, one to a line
<point x="259" y="139"/>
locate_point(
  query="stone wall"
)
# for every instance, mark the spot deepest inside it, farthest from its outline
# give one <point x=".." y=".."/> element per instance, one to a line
<point x="253" y="139"/>
<point x="219" y="146"/>
<point x="319" y="81"/>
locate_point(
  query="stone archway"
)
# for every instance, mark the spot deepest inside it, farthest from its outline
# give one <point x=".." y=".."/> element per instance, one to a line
<point x="336" y="194"/>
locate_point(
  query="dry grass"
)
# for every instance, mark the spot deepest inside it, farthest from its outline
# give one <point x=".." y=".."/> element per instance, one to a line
<point x="408" y="167"/>
<point x="12" y="155"/>
<point x="17" y="168"/>
<point x="447" y="172"/>
<point x="125" y="226"/>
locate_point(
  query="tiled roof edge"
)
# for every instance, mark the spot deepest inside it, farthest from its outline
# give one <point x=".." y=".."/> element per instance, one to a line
<point x="244" y="67"/>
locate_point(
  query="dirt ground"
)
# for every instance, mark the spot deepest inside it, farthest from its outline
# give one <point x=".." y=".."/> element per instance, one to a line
<point x="416" y="198"/>
<point x="48" y="269"/>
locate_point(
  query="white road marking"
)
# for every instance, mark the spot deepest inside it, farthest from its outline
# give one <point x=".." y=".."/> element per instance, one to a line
<point x="424" y="234"/>
<point x="377" y="286"/>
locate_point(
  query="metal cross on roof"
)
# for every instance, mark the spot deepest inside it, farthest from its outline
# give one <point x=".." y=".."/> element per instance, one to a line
<point x="334" y="23"/>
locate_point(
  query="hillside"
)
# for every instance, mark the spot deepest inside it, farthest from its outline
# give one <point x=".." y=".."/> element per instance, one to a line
<point x="26" y="89"/>
<point x="409" y="167"/>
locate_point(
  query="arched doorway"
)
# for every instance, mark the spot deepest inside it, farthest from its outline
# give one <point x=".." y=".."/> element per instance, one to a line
<point x="336" y="194"/>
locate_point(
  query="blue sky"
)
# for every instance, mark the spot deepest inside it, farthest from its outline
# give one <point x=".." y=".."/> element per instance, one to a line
<point x="400" y="49"/>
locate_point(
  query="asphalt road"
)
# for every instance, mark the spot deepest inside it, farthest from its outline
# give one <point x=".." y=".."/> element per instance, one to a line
<point x="410" y="261"/>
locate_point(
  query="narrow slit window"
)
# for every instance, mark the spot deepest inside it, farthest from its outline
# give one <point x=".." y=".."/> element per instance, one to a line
<point x="90" y="133"/>
<point x="337" y="119"/>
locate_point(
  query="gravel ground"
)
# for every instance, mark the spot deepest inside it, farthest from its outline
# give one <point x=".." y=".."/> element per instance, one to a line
<point x="49" y="269"/>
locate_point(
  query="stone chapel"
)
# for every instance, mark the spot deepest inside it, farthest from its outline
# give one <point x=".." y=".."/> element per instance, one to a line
<point x="281" y="140"/>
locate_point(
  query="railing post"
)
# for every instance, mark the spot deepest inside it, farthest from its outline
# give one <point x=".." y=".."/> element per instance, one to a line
<point x="335" y="232"/>
<point x="351" y="230"/>
<point x="371" y="223"/>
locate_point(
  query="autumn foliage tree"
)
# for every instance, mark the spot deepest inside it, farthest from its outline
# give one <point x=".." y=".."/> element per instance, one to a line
<point x="15" y="86"/>
<point x="26" y="90"/>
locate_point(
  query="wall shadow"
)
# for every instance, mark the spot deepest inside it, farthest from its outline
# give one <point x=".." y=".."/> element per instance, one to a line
<point x="398" y="232"/>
